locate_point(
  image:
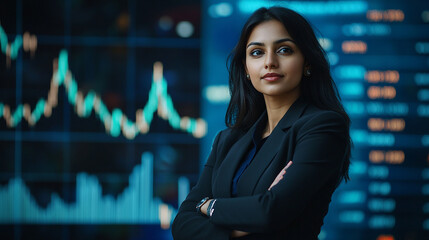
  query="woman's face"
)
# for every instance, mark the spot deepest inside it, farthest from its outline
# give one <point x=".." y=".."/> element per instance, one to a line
<point x="273" y="60"/>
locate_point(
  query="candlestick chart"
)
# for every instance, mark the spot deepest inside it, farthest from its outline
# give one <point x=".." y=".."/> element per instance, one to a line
<point x="114" y="122"/>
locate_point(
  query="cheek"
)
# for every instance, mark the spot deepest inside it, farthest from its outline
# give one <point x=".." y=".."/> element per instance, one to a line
<point x="295" y="66"/>
<point x="251" y="67"/>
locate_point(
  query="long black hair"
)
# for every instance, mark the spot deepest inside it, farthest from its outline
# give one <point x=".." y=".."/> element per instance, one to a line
<point x="247" y="104"/>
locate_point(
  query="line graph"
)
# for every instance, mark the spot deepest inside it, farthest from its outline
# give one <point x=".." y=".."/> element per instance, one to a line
<point x="100" y="123"/>
<point x="27" y="41"/>
<point x="115" y="122"/>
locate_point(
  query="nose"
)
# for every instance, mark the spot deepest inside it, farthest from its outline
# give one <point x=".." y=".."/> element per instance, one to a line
<point x="271" y="61"/>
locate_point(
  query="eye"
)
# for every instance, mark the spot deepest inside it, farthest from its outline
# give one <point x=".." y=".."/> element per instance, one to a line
<point x="285" y="50"/>
<point x="256" y="52"/>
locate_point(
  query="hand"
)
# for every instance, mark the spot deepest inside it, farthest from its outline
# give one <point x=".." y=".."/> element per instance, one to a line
<point x="280" y="175"/>
<point x="236" y="234"/>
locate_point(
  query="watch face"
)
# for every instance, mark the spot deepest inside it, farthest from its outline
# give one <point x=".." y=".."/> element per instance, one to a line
<point x="201" y="203"/>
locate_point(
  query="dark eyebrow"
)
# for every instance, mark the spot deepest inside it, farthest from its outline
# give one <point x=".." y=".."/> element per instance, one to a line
<point x="276" y="42"/>
<point x="284" y="40"/>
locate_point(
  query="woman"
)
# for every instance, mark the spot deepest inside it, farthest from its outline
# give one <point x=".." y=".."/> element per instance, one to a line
<point x="284" y="113"/>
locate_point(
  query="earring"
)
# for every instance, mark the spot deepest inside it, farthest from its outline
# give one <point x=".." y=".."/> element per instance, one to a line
<point x="307" y="72"/>
<point x="247" y="76"/>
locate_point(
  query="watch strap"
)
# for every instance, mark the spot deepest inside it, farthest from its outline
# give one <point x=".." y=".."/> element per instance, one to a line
<point x="210" y="209"/>
<point x="201" y="203"/>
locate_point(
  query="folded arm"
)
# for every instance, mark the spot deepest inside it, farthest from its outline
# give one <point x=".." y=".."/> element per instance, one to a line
<point x="189" y="224"/>
<point x="317" y="159"/>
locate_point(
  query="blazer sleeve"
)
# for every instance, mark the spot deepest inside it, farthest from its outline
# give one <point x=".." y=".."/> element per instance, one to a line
<point x="318" y="156"/>
<point x="189" y="224"/>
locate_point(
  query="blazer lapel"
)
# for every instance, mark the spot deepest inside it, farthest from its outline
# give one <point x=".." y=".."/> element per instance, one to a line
<point x="293" y="114"/>
<point x="225" y="174"/>
<point x="269" y="150"/>
<point x="226" y="171"/>
<point x="260" y="162"/>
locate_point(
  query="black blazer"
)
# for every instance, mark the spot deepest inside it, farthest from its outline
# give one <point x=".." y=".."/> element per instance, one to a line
<point x="314" y="139"/>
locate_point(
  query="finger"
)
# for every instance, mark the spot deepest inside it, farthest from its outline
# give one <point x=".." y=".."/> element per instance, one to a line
<point x="288" y="165"/>
<point x="280" y="175"/>
<point x="277" y="180"/>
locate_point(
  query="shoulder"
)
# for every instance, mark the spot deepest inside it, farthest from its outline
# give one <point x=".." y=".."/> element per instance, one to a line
<point x="320" y="119"/>
<point x="225" y="139"/>
<point x="228" y="135"/>
<point x="316" y="114"/>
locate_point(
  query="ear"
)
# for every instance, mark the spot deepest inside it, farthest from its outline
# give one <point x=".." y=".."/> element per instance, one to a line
<point x="307" y="69"/>
<point x="307" y="65"/>
<point x="247" y="72"/>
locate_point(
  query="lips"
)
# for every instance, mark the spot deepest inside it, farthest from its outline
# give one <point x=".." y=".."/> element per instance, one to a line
<point x="272" y="76"/>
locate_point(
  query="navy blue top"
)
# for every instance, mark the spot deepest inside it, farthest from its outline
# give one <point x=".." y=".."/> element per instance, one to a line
<point x="258" y="141"/>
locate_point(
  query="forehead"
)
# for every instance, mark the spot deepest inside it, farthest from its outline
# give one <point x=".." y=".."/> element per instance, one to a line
<point x="268" y="31"/>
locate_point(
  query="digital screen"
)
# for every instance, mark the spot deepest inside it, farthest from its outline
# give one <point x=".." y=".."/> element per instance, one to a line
<point x="100" y="122"/>
<point x="108" y="110"/>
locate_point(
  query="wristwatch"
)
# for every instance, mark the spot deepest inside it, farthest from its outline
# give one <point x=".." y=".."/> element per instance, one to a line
<point x="210" y="209"/>
<point x="201" y="203"/>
